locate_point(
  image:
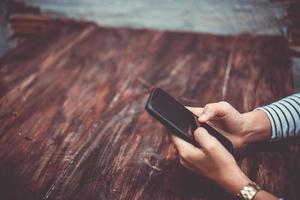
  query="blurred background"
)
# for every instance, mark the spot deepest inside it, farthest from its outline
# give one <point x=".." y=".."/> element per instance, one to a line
<point x="266" y="17"/>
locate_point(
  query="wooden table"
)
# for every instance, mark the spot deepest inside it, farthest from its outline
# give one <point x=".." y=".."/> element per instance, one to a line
<point x="72" y="118"/>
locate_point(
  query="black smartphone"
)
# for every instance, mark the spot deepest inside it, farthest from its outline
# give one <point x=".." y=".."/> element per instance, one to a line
<point x="178" y="119"/>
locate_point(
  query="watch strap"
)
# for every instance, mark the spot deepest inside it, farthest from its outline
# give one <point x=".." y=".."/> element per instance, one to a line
<point x="249" y="191"/>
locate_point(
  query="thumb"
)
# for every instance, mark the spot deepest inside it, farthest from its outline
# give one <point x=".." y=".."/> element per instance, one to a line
<point x="214" y="110"/>
<point x="206" y="141"/>
<point x="195" y="110"/>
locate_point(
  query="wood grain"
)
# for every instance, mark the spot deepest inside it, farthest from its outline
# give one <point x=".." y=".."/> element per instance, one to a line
<point x="72" y="119"/>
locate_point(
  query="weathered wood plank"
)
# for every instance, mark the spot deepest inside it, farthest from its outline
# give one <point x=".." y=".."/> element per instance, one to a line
<point x="73" y="124"/>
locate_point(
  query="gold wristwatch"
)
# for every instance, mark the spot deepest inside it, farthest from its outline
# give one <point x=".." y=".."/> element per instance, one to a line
<point x="248" y="191"/>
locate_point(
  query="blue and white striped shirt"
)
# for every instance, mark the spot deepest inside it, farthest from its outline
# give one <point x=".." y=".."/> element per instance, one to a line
<point x="284" y="116"/>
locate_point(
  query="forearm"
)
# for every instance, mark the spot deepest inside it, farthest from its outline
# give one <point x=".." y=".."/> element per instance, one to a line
<point x="276" y="121"/>
<point x="257" y="126"/>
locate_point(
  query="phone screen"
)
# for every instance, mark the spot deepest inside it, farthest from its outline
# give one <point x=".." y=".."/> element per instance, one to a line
<point x="174" y="112"/>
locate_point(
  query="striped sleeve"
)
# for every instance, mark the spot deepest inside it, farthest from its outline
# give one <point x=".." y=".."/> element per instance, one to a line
<point x="284" y="116"/>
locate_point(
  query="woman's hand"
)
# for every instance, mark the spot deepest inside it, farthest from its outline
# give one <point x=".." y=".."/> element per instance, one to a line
<point x="212" y="161"/>
<point x="239" y="128"/>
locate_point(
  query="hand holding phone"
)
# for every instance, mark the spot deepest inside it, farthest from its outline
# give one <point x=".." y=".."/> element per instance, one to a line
<point x="178" y="119"/>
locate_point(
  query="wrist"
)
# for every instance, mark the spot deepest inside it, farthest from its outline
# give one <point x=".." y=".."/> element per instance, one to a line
<point x="234" y="181"/>
<point x="256" y="127"/>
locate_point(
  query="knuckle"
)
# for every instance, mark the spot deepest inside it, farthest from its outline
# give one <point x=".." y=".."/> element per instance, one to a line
<point x="224" y="103"/>
<point x="211" y="147"/>
<point x="208" y="106"/>
<point x="226" y="107"/>
<point x="182" y="162"/>
<point x="184" y="155"/>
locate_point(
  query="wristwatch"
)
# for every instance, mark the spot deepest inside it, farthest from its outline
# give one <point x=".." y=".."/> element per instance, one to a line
<point x="248" y="191"/>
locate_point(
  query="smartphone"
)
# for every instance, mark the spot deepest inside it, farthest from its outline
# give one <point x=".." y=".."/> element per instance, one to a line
<point x="178" y="119"/>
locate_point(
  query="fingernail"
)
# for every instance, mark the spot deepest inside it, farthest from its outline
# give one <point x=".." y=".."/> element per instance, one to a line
<point x="197" y="130"/>
<point x="203" y="117"/>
